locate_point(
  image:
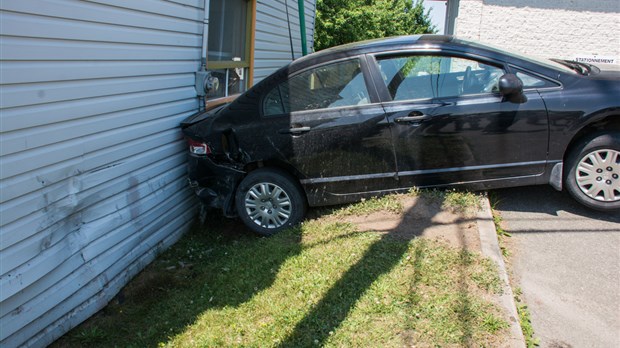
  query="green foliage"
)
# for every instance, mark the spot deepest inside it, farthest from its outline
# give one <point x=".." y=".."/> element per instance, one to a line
<point x="339" y="22"/>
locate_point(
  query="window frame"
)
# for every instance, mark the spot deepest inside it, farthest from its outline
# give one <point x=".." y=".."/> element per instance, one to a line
<point x="248" y="63"/>
<point x="383" y="89"/>
<point x="370" y="87"/>
<point x="558" y="85"/>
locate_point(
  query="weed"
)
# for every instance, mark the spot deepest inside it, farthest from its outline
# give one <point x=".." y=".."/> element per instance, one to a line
<point x="525" y="320"/>
<point x="501" y="233"/>
<point x="497" y="220"/>
<point x="494" y="199"/>
<point x="494" y="324"/>
<point x="462" y="201"/>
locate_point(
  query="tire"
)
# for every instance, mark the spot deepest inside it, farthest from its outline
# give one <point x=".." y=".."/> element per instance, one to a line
<point x="269" y="201"/>
<point x="593" y="175"/>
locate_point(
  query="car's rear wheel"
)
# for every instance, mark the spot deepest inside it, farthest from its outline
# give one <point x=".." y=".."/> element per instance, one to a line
<point x="593" y="176"/>
<point x="269" y="201"/>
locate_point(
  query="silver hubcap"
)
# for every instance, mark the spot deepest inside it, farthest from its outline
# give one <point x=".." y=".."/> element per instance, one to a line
<point x="598" y="175"/>
<point x="268" y="205"/>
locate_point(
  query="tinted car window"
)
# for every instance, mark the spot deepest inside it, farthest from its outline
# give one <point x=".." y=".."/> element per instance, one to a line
<point x="421" y="77"/>
<point x="324" y="87"/>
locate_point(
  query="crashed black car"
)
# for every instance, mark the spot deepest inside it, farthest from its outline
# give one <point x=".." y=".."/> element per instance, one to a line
<point x="386" y="115"/>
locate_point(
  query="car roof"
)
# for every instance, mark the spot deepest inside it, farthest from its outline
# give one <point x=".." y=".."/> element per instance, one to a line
<point x="373" y="45"/>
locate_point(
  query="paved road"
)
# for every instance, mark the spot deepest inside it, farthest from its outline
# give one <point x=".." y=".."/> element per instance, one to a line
<point x="566" y="258"/>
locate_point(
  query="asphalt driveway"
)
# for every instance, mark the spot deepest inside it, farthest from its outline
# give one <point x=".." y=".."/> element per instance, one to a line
<point x="566" y="259"/>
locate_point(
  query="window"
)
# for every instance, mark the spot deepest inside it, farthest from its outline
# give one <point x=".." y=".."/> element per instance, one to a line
<point x="424" y="77"/>
<point x="228" y="51"/>
<point x="328" y="86"/>
<point x="531" y="81"/>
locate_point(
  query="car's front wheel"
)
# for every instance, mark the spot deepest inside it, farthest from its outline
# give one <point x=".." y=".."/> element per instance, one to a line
<point x="269" y="201"/>
<point x="593" y="176"/>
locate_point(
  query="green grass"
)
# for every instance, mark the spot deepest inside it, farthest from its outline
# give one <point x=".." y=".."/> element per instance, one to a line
<point x="463" y="202"/>
<point x="322" y="284"/>
<point x="497" y="221"/>
<point x="524" y="314"/>
<point x="389" y="203"/>
<point x="89" y="336"/>
<point x="525" y="320"/>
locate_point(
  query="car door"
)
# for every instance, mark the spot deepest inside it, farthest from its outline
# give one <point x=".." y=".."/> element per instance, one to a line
<point x="339" y="139"/>
<point x="450" y="125"/>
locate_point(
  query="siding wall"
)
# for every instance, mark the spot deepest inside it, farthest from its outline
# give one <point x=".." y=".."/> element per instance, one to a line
<point x="92" y="174"/>
<point x="546" y="29"/>
<point x="273" y="46"/>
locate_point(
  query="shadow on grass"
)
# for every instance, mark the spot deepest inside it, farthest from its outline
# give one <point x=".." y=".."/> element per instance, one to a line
<point x="380" y="258"/>
<point x="225" y="264"/>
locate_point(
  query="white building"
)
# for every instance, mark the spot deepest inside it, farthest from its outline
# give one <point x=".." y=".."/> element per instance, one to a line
<point x="587" y="30"/>
<point x="92" y="167"/>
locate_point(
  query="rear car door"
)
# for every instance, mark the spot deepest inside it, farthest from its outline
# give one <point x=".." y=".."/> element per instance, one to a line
<point x="450" y="125"/>
<point x="339" y="138"/>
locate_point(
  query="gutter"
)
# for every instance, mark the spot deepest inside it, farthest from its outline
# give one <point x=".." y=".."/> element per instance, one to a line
<point x="205" y="35"/>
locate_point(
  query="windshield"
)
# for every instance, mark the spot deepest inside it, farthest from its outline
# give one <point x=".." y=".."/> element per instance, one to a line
<point x="544" y="62"/>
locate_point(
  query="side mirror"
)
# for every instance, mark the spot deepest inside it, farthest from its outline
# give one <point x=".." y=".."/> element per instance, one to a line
<point x="510" y="85"/>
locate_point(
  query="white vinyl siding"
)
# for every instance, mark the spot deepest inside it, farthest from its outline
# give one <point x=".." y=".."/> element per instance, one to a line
<point x="273" y="46"/>
<point x="92" y="160"/>
<point x="92" y="167"/>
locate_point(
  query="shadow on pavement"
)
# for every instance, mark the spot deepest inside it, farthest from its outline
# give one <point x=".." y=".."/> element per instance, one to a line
<point x="544" y="199"/>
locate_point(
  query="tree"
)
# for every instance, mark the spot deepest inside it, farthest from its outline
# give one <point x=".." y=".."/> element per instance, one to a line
<point x="343" y="21"/>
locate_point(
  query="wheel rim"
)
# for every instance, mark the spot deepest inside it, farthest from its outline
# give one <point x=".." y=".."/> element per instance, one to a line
<point x="598" y="174"/>
<point x="268" y="205"/>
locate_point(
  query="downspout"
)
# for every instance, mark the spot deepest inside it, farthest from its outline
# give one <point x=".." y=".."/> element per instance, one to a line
<point x="302" y="27"/>
<point x="203" y="80"/>
<point x="205" y="36"/>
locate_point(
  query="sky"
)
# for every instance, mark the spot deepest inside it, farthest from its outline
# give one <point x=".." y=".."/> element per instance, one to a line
<point x="438" y="13"/>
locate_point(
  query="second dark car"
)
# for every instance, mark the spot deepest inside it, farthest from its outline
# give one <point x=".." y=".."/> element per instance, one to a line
<point x="418" y="111"/>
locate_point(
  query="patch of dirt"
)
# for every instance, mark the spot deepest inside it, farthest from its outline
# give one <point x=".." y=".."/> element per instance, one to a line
<point x="423" y="217"/>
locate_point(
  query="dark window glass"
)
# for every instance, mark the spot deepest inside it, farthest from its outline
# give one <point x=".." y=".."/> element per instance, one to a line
<point x="424" y="77"/>
<point x="227" y="30"/>
<point x="328" y="86"/>
<point x="273" y="103"/>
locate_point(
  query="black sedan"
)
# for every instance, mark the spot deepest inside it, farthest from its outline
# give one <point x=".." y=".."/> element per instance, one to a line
<point x="386" y="115"/>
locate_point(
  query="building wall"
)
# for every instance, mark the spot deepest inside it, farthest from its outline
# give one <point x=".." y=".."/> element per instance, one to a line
<point x="546" y="29"/>
<point x="93" y="182"/>
<point x="92" y="161"/>
<point x="273" y="47"/>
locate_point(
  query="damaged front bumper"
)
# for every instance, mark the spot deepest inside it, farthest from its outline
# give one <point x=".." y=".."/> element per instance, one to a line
<point x="215" y="184"/>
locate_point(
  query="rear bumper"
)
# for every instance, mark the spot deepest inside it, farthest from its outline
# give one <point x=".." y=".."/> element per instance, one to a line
<point x="214" y="184"/>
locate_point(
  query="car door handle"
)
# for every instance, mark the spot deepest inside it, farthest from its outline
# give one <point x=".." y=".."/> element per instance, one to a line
<point x="414" y="117"/>
<point x="295" y="131"/>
